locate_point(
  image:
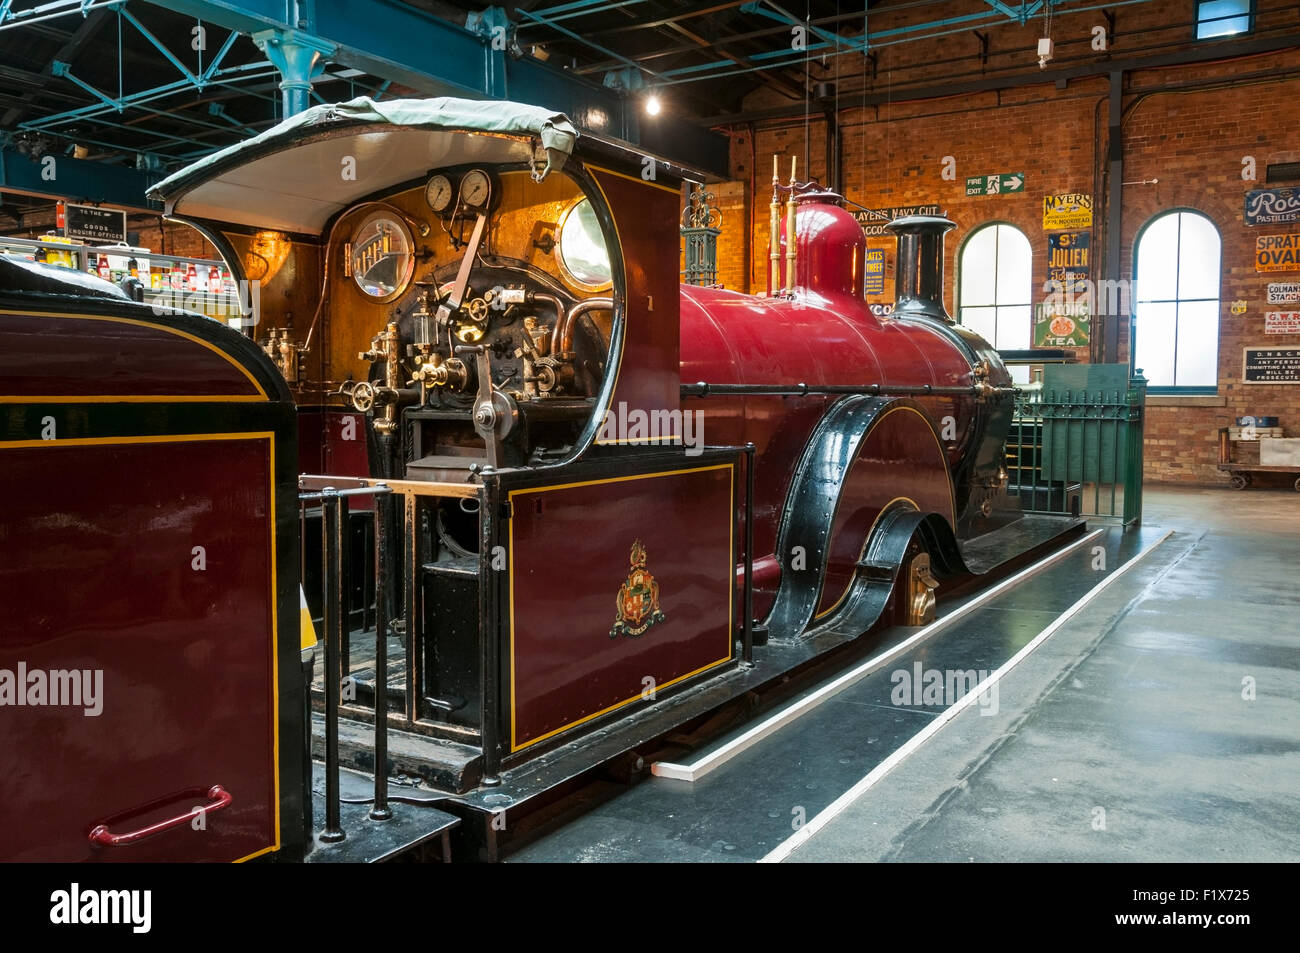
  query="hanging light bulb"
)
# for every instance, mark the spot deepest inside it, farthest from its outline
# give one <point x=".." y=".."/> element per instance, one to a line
<point x="652" y="104"/>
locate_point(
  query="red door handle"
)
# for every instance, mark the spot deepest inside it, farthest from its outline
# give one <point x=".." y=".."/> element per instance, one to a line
<point x="101" y="836"/>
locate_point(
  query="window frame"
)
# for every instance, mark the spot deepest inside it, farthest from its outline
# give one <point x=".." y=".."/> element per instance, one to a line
<point x="961" y="254"/>
<point x="1175" y="390"/>
<point x="1199" y="22"/>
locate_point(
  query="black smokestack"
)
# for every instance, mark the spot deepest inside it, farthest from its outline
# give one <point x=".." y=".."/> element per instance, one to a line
<point x="918" y="279"/>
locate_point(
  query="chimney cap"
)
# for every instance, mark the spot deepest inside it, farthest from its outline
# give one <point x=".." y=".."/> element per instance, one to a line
<point x="917" y="221"/>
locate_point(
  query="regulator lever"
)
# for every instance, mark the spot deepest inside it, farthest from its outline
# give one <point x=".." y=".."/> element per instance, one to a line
<point x="495" y="411"/>
<point x="456" y="297"/>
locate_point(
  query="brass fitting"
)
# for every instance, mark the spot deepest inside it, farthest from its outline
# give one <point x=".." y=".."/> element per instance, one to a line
<point x="436" y="372"/>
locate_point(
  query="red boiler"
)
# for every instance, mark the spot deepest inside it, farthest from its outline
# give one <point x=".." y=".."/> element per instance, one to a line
<point x="772" y="367"/>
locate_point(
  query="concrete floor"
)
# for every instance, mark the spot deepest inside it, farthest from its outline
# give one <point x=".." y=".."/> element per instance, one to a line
<point x="1126" y="736"/>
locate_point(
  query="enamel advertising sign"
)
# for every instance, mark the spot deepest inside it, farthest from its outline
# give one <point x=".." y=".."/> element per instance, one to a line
<point x="1066" y="211"/>
<point x="1277" y="253"/>
<point x="1284" y="292"/>
<point x="1272" y="206"/>
<point x="1282" y="322"/>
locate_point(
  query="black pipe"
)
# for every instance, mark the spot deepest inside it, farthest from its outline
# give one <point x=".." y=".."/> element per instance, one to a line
<point x="1038" y="355"/>
<point x="381" y="811"/>
<point x="333" y="521"/>
<point x="747" y="646"/>
<point x="703" y="389"/>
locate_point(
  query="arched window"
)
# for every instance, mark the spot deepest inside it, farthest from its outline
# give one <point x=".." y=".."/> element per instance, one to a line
<point x="995" y="288"/>
<point x="1176" y="319"/>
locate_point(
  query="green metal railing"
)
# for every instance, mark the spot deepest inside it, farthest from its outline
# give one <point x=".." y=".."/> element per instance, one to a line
<point x="1078" y="451"/>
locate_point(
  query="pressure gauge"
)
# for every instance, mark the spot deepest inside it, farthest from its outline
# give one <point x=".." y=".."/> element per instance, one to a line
<point x="475" y="189"/>
<point x="438" y="193"/>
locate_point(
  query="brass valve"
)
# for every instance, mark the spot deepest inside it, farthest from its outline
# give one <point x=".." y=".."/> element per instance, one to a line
<point x="383" y="347"/>
<point x="980" y="375"/>
<point x="433" y="371"/>
<point x="281" y="349"/>
<point x="543" y="373"/>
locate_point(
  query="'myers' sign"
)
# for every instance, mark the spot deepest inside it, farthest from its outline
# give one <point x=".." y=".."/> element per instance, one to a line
<point x="1272" y="206"/>
<point x="1277" y="253"/>
<point x="1068" y="210"/>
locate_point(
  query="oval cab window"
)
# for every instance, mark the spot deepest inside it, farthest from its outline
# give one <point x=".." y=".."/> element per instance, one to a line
<point x="383" y="256"/>
<point x="584" y="258"/>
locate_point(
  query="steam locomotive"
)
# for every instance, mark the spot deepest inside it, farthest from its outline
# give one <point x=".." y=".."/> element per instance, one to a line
<point x="601" y="503"/>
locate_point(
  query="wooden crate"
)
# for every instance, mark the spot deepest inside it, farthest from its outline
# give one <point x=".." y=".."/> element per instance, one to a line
<point x="1253" y="433"/>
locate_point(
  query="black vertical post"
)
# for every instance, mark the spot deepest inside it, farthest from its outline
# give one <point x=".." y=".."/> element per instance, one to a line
<point x="334" y="538"/>
<point x="1114" y="213"/>
<point x="411" y="578"/>
<point x="381" y="810"/>
<point x="748" y="604"/>
<point x="489" y="664"/>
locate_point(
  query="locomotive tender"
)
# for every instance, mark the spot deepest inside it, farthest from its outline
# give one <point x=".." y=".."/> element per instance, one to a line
<point x="475" y="307"/>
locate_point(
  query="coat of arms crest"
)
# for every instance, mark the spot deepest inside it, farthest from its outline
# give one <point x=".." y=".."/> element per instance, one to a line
<point x="637" y="604"/>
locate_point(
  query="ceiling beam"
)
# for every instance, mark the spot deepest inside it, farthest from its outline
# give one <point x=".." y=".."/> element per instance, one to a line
<point x="398" y="42"/>
<point x="1249" y="46"/>
<point x="775" y="82"/>
<point x="75" y="43"/>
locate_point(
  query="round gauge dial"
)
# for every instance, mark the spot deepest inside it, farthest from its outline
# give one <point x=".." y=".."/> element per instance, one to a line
<point x="438" y="193"/>
<point x="475" y="189"/>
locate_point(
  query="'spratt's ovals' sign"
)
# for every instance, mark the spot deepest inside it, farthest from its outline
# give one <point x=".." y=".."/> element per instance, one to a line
<point x="1277" y="253"/>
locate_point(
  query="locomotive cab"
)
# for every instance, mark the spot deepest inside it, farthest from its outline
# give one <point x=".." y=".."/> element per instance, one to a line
<point x="447" y="270"/>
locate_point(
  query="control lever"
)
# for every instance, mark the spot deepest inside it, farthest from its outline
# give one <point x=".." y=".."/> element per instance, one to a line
<point x="457" y="295"/>
<point x="495" y="412"/>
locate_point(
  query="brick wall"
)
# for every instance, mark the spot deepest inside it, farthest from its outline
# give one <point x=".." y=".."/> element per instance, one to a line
<point x="175" y="238"/>
<point x="1188" y="126"/>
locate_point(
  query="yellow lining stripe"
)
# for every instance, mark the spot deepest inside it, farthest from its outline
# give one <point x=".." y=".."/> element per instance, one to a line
<point x="622" y="344"/>
<point x="134" y="399"/>
<point x="731" y="598"/>
<point x="269" y="437"/>
<point x="866" y="541"/>
<point x="618" y="368"/>
<point x="142" y="324"/>
<point x="634" y="441"/>
<point x="631" y="178"/>
<point x="952" y="499"/>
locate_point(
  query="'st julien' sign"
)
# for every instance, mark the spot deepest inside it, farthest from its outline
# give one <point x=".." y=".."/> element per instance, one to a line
<point x="1272" y="206"/>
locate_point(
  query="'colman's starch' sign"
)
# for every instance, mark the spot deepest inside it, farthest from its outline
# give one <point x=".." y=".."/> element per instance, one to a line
<point x="1284" y="292"/>
<point x="1277" y="253"/>
<point x="1272" y="206"/>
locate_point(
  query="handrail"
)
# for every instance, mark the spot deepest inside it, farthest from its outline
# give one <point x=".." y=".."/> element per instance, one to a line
<point x="334" y="527"/>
